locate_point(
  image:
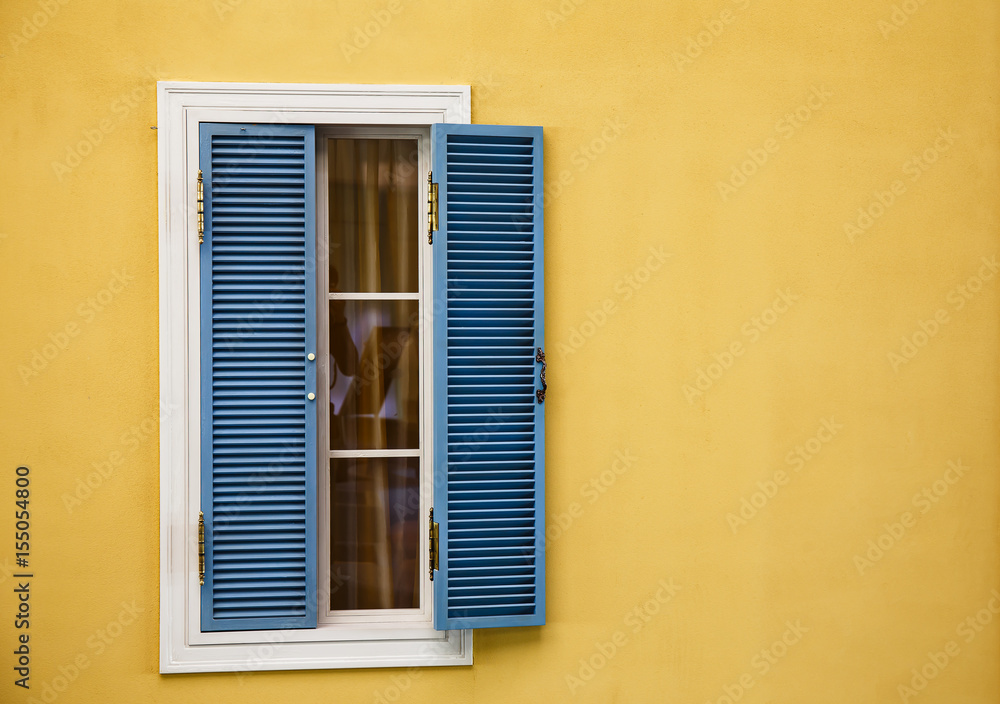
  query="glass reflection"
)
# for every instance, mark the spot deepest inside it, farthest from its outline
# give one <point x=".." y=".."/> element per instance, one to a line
<point x="374" y="214"/>
<point x="374" y="378"/>
<point x="375" y="533"/>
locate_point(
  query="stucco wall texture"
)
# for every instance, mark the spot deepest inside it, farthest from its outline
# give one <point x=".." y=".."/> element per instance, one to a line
<point x="772" y="325"/>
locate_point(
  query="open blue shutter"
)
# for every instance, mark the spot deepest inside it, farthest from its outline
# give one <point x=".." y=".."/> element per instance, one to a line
<point x="489" y="433"/>
<point x="258" y="426"/>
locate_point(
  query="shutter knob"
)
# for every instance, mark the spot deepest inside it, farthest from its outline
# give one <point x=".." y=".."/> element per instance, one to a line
<point x="311" y="356"/>
<point x="311" y="396"/>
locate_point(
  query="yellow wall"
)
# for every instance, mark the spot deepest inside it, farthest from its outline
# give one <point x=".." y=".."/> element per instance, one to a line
<point x="641" y="137"/>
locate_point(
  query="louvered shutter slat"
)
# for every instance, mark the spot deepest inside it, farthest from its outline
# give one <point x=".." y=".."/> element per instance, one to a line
<point x="489" y="429"/>
<point x="258" y="426"/>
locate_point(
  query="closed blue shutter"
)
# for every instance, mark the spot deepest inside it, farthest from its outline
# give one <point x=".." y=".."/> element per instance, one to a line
<point x="258" y="326"/>
<point x="489" y="444"/>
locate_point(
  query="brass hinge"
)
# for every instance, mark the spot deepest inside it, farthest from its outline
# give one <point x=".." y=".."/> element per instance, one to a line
<point x="201" y="547"/>
<point x="434" y="547"/>
<point x="432" y="207"/>
<point x="201" y="209"/>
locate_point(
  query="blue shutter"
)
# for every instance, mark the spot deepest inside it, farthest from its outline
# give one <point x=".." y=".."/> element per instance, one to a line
<point x="258" y="428"/>
<point x="489" y="439"/>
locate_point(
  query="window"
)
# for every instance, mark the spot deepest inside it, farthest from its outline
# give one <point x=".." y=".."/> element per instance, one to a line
<point x="334" y="374"/>
<point x="370" y="517"/>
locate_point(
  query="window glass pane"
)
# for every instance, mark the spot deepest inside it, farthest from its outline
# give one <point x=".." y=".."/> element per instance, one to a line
<point x="375" y="533"/>
<point x="373" y="215"/>
<point x="374" y="375"/>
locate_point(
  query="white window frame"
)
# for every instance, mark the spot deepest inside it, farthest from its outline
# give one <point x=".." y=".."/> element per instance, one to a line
<point x="181" y="106"/>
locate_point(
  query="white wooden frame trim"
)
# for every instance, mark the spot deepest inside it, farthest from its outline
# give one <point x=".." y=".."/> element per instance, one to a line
<point x="181" y="106"/>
